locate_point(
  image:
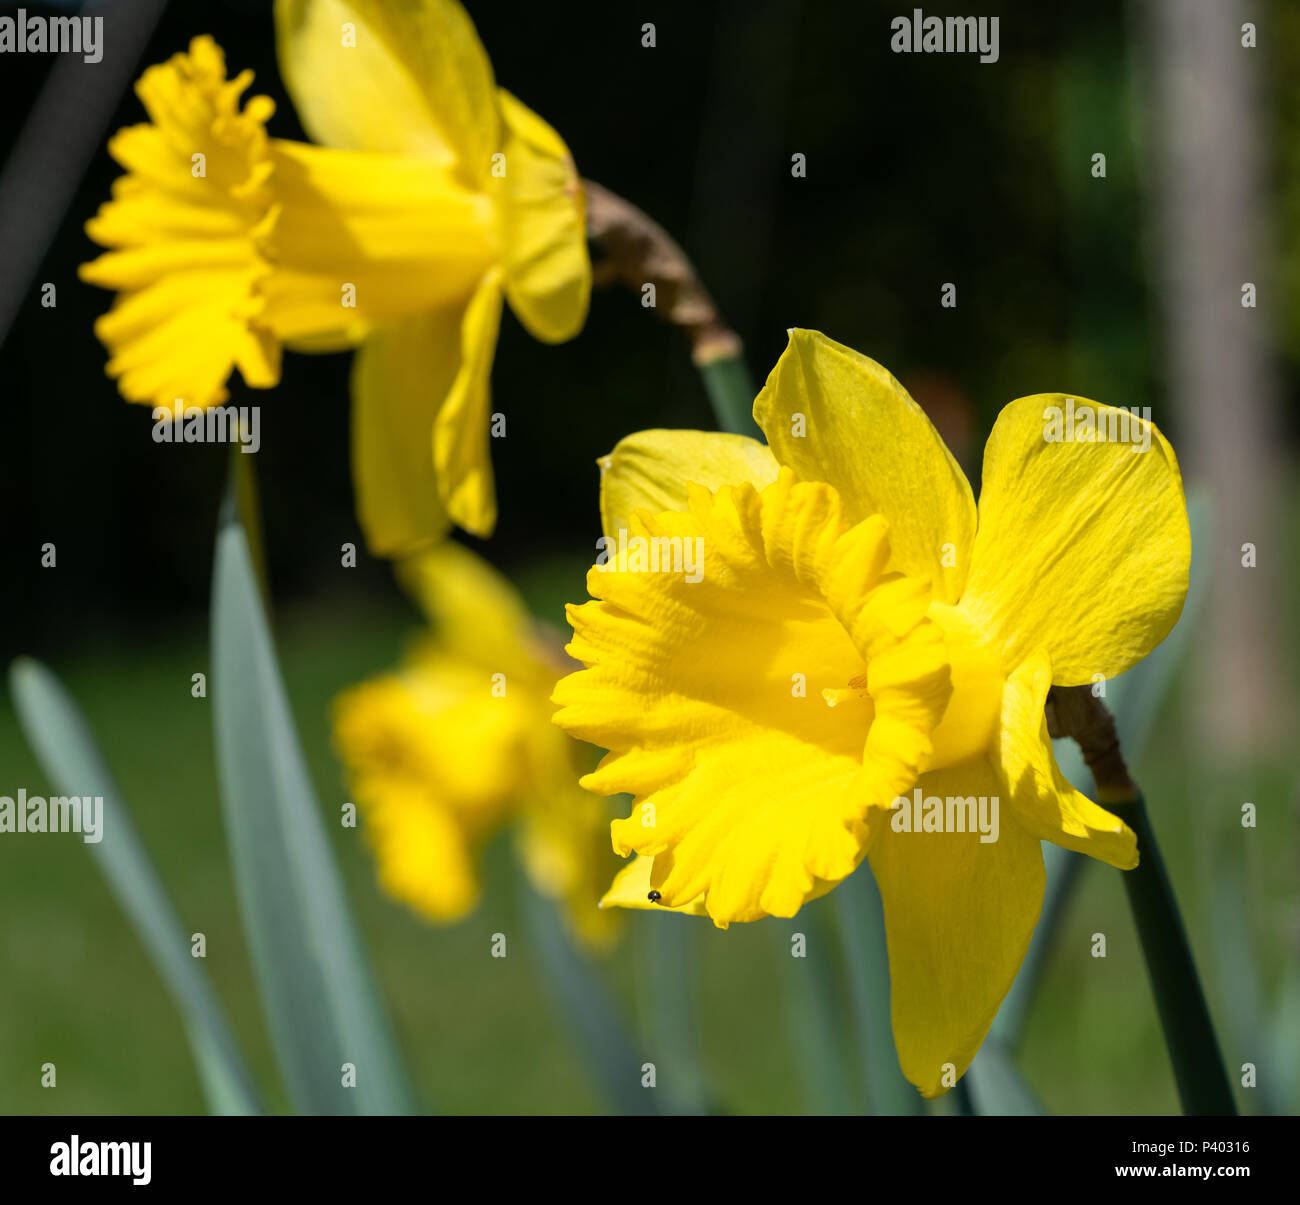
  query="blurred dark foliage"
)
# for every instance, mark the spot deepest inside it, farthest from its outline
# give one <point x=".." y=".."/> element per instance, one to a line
<point x="920" y="170"/>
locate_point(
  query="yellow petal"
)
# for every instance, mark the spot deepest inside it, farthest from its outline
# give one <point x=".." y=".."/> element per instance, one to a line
<point x="544" y="235"/>
<point x="400" y="377"/>
<point x="651" y="470"/>
<point x="864" y="435"/>
<point x="760" y="711"/>
<point x="471" y="607"/>
<point x="1045" y="802"/>
<point x="461" y="434"/>
<point x="435" y="762"/>
<point x="631" y="889"/>
<point x="409" y="76"/>
<point x="423" y="857"/>
<point x="959" y="914"/>
<point x="437" y="724"/>
<point x="1083" y="547"/>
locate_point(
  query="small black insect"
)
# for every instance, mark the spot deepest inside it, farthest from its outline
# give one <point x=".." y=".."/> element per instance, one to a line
<point x="653" y="897"/>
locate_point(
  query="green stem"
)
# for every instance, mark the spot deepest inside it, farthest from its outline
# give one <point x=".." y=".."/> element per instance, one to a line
<point x="811" y="1016"/>
<point x="240" y="504"/>
<point x="731" y="393"/>
<point x="669" y="994"/>
<point x="584" y="1004"/>
<point x="1203" y="1085"/>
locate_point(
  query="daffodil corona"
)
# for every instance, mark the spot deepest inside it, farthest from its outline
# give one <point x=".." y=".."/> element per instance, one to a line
<point x="456" y="744"/>
<point x="862" y="648"/>
<point x="433" y="194"/>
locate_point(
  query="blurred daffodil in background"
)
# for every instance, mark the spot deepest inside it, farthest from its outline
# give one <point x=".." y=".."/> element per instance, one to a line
<point x="859" y="631"/>
<point x="433" y="194"/>
<point x="457" y="744"/>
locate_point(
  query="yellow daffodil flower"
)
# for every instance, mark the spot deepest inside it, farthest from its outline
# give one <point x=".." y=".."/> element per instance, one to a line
<point x="456" y="744"/>
<point x="857" y="633"/>
<point x="432" y="194"/>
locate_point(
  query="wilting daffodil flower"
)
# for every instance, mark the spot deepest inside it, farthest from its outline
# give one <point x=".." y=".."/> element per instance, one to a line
<point x="445" y="752"/>
<point x="859" y="633"/>
<point x="432" y="194"/>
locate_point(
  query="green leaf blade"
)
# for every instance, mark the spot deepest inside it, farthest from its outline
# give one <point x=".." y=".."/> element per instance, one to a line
<point x="996" y="1086"/>
<point x="322" y="1006"/>
<point x="63" y="743"/>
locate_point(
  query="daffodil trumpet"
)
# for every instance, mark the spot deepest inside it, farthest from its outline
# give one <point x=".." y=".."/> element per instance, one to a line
<point x="863" y="629"/>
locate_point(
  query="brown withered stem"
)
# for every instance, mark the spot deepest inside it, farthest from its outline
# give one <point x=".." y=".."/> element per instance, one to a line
<point x="1074" y="711"/>
<point x="638" y="251"/>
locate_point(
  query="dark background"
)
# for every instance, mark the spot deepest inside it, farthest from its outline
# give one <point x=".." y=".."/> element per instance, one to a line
<point x="921" y="170"/>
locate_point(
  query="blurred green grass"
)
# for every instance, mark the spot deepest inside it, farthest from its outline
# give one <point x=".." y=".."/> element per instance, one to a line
<point x="481" y="1033"/>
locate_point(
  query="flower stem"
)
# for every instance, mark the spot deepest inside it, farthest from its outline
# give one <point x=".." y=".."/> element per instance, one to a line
<point x="731" y="392"/>
<point x="640" y="254"/>
<point x="1203" y="1086"/>
<point x="1202" y="1079"/>
<point x="240" y="504"/>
